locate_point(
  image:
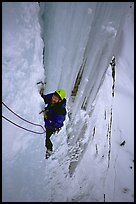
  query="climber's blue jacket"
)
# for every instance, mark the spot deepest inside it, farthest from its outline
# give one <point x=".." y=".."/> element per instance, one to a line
<point x="55" y="113"/>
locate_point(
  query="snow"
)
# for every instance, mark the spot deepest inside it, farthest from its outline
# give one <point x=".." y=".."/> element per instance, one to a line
<point x="54" y="42"/>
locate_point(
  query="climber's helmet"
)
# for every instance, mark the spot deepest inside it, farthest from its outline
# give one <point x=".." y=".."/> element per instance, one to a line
<point x="58" y="95"/>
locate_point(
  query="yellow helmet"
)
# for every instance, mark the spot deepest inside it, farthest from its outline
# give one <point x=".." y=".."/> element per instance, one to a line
<point x="61" y="93"/>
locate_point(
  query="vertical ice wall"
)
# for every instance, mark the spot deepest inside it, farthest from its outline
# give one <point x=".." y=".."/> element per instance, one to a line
<point x="80" y="40"/>
<point x="78" y="37"/>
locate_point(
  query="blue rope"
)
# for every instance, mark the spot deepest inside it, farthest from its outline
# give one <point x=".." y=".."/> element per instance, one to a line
<point x="22" y="119"/>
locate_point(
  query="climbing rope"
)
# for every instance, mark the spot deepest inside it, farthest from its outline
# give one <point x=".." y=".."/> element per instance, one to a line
<point x="22" y="119"/>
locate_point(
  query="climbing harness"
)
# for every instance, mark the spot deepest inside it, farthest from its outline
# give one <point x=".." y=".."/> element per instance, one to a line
<point x="24" y="120"/>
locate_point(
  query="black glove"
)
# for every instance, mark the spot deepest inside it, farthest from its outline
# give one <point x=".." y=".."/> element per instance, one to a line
<point x="41" y="91"/>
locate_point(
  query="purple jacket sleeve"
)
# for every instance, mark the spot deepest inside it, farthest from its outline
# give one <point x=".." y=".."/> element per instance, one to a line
<point x="47" y="98"/>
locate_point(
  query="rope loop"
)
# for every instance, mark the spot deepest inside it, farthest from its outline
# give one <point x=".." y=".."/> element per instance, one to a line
<point x="24" y="120"/>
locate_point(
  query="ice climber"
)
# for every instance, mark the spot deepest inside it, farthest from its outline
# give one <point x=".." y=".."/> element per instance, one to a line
<point x="54" y="115"/>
